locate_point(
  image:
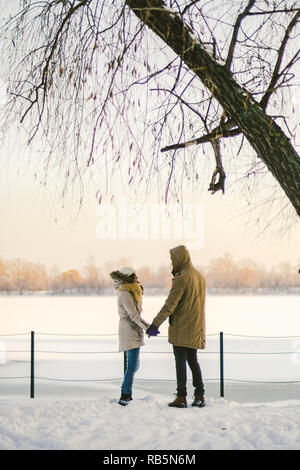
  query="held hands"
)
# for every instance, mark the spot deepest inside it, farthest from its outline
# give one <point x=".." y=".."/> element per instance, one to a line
<point x="152" y="331"/>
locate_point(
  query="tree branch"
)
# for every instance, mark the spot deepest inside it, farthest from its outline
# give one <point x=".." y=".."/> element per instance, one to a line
<point x="43" y="84"/>
<point x="270" y="12"/>
<point x="223" y="130"/>
<point x="276" y="74"/>
<point x="189" y="6"/>
<point x="235" y="33"/>
<point x="220" y="184"/>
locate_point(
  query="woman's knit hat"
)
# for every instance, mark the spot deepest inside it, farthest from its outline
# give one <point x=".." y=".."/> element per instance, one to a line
<point x="127" y="270"/>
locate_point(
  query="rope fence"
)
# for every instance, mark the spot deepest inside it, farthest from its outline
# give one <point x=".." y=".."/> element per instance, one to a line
<point x="221" y="352"/>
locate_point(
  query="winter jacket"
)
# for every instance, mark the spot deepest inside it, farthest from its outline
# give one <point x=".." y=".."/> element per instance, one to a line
<point x="131" y="324"/>
<point x="185" y="305"/>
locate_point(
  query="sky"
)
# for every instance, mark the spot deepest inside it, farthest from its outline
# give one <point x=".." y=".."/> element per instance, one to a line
<point x="34" y="226"/>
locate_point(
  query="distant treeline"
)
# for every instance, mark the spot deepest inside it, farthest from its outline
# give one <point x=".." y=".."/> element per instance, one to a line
<point x="223" y="275"/>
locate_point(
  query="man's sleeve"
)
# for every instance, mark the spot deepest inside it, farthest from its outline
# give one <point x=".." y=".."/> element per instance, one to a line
<point x="174" y="297"/>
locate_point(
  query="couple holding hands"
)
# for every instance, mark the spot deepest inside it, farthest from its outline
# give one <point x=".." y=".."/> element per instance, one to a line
<point x="185" y="308"/>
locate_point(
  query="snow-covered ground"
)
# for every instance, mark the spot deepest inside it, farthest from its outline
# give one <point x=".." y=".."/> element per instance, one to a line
<point x="146" y="423"/>
<point x="86" y="415"/>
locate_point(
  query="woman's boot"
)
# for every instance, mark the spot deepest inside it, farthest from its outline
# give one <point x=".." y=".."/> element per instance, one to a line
<point x="124" y="399"/>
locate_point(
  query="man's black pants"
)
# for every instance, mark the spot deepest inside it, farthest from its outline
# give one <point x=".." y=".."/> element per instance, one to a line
<point x="182" y="356"/>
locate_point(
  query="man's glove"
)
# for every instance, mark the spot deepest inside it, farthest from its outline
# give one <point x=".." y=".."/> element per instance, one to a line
<point x="152" y="331"/>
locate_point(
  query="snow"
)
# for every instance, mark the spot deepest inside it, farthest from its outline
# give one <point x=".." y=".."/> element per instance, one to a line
<point x="76" y="395"/>
<point x="146" y="423"/>
<point x="171" y="10"/>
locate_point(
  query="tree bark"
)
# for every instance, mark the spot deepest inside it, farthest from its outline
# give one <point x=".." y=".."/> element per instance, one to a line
<point x="264" y="135"/>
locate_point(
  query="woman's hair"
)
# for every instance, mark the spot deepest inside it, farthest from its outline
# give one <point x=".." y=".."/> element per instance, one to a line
<point x="132" y="278"/>
<point x="124" y="277"/>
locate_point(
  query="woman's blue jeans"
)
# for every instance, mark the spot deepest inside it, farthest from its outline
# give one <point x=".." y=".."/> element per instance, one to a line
<point x="132" y="365"/>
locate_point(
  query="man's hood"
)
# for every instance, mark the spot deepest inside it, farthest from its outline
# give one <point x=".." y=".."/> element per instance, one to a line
<point x="180" y="258"/>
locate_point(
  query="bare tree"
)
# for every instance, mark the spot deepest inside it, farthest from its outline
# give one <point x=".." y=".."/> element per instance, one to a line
<point x="98" y="82"/>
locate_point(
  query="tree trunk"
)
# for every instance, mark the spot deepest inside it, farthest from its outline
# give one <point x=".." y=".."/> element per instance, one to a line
<point x="264" y="135"/>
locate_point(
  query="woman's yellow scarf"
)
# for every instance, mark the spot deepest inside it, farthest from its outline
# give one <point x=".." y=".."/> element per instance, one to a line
<point x="136" y="290"/>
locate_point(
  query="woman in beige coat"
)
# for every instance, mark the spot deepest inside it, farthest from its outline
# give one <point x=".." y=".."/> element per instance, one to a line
<point x="131" y="325"/>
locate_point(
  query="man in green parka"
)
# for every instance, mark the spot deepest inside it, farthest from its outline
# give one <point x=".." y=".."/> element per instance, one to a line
<point x="185" y="308"/>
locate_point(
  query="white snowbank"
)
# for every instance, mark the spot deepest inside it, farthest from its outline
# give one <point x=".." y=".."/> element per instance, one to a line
<point x="147" y="423"/>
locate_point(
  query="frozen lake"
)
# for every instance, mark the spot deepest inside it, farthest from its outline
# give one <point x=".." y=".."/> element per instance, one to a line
<point x="76" y="344"/>
<point x="247" y="315"/>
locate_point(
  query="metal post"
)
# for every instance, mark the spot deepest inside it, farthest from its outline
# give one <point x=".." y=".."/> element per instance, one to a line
<point x="221" y="365"/>
<point x="125" y="361"/>
<point x="32" y="366"/>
